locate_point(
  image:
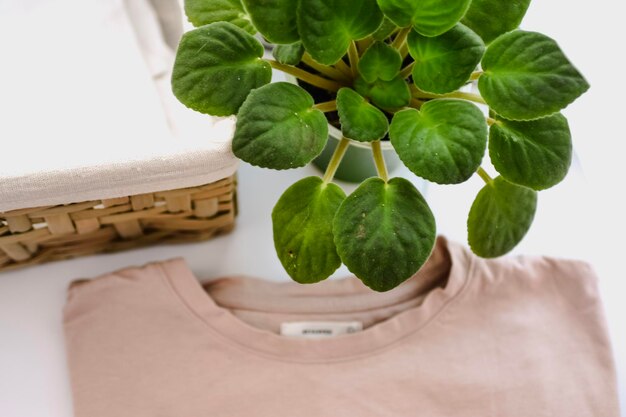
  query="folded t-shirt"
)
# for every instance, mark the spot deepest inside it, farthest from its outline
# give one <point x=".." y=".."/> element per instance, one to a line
<point x="514" y="337"/>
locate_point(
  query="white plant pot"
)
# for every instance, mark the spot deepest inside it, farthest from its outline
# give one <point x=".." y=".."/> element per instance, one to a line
<point x="358" y="163"/>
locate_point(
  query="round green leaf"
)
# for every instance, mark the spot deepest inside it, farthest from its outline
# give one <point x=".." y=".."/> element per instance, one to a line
<point x="380" y="61"/>
<point x="328" y="26"/>
<point x="216" y="67"/>
<point x="288" y="54"/>
<point x="443" y="142"/>
<point x="303" y="236"/>
<point x="428" y="17"/>
<point x="388" y="95"/>
<point x="500" y="217"/>
<point x="492" y="18"/>
<point x="278" y="128"/>
<point x="384" y="232"/>
<point x="444" y="63"/>
<point x="360" y="120"/>
<point x="204" y="12"/>
<point x="536" y="154"/>
<point x="275" y="19"/>
<point x="527" y="76"/>
<point x="386" y="28"/>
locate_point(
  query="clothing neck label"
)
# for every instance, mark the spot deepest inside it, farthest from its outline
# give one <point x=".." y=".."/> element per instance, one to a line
<point x="319" y="329"/>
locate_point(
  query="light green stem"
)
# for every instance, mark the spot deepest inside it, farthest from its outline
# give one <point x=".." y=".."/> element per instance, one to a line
<point x="400" y="38"/>
<point x="491" y="121"/>
<point x="330" y="72"/>
<point x="406" y="71"/>
<point x="379" y="161"/>
<point x="353" y="56"/>
<point x="483" y="174"/>
<point x="467" y="96"/>
<point x="344" y="68"/>
<point x="340" y="151"/>
<point x="363" y="44"/>
<point x="305" y="76"/>
<point x="327" y="106"/>
<point x="475" y="75"/>
<point x="457" y="94"/>
<point x="404" y="50"/>
<point x="415" y="103"/>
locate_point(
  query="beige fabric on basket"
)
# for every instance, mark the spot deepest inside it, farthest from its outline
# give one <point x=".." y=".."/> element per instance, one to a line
<point x="91" y="115"/>
<point x="465" y="337"/>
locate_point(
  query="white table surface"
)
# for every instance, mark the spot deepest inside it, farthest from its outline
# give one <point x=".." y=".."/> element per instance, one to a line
<point x="33" y="375"/>
<point x="581" y="218"/>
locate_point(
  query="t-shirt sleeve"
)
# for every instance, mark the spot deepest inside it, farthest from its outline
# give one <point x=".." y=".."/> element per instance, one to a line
<point x="104" y="321"/>
<point x="574" y="288"/>
<point x="575" y="282"/>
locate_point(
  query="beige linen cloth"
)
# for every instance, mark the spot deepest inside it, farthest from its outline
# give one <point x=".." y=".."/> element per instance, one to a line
<point x="86" y="109"/>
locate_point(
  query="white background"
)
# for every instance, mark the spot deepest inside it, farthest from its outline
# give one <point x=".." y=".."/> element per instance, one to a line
<point x="582" y="218"/>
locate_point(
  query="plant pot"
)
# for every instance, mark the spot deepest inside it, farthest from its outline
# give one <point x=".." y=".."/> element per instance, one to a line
<point x="358" y="163"/>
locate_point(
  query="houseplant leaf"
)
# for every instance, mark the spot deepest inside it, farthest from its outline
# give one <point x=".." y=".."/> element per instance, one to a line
<point x="302" y="221"/>
<point x="278" y="128"/>
<point x="390" y="95"/>
<point x="384" y="232"/>
<point x="204" y="12"/>
<point x="536" y="153"/>
<point x="216" y="67"/>
<point x="360" y="120"/>
<point x="444" y="63"/>
<point x="386" y="28"/>
<point x="428" y="17"/>
<point x="380" y="61"/>
<point x="443" y="142"/>
<point x="290" y="54"/>
<point x="328" y="26"/>
<point x="500" y="217"/>
<point x="527" y="76"/>
<point x="275" y="19"/>
<point x="492" y="18"/>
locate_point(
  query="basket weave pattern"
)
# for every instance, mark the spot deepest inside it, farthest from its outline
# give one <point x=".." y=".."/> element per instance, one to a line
<point x="35" y="235"/>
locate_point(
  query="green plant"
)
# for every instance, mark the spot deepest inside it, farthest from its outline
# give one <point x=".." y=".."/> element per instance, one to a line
<point x="393" y="69"/>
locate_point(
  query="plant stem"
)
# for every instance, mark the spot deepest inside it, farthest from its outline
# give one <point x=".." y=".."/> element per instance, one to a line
<point x="457" y="94"/>
<point x="406" y="71"/>
<point x="467" y="96"/>
<point x="394" y="32"/>
<point x="491" y="121"/>
<point x="327" y="106"/>
<point x="330" y="72"/>
<point x="340" y="151"/>
<point x="400" y="38"/>
<point x="483" y="174"/>
<point x="475" y="75"/>
<point x="343" y="67"/>
<point x="363" y="44"/>
<point x="415" y="103"/>
<point x="305" y="76"/>
<point x="353" y="56"/>
<point x="379" y="161"/>
<point x="404" y="50"/>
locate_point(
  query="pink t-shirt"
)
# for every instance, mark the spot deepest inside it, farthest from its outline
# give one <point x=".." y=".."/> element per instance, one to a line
<point x="465" y="337"/>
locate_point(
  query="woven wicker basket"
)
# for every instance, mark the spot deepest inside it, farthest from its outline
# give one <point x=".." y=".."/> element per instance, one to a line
<point x="36" y="235"/>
